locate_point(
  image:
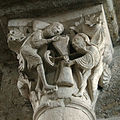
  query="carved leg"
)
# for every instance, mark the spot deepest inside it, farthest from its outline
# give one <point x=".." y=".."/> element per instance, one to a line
<point x="41" y="76"/>
<point x="95" y="79"/>
<point x="34" y="99"/>
<point x="83" y="83"/>
<point x="23" y="86"/>
<point x="34" y="60"/>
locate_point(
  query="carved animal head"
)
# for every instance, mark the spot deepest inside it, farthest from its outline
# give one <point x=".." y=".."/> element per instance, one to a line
<point x="15" y="39"/>
<point x="15" y="35"/>
<point x="54" y="29"/>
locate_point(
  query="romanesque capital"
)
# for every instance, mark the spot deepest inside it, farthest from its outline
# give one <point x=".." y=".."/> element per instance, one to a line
<point x="63" y="62"/>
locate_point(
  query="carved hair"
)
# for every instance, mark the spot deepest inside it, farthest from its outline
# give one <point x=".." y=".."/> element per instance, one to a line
<point x="80" y="41"/>
<point x="53" y="29"/>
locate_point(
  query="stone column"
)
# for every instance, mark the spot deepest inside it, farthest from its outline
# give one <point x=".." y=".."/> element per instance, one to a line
<point x="63" y="62"/>
<point x="112" y="20"/>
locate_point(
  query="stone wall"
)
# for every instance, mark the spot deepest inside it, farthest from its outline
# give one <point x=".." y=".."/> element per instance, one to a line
<point x="12" y="104"/>
<point x="111" y="19"/>
<point x="117" y="8"/>
<point x="108" y="103"/>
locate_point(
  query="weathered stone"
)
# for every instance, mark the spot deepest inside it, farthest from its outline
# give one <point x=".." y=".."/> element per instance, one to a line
<point x="30" y="8"/>
<point x="111" y="20"/>
<point x="113" y="118"/>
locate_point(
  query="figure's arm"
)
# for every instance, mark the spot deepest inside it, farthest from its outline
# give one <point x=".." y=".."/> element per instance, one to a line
<point x="38" y="41"/>
<point x="47" y="41"/>
<point x="53" y="39"/>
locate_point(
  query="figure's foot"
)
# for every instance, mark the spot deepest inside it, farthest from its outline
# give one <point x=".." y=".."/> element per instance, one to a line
<point x="50" y="88"/>
<point x="78" y="94"/>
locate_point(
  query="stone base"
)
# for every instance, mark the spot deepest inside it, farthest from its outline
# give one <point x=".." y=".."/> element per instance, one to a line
<point x="69" y="112"/>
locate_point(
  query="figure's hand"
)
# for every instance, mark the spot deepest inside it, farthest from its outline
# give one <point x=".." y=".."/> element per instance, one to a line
<point x="70" y="63"/>
<point x="67" y="63"/>
<point x="56" y="38"/>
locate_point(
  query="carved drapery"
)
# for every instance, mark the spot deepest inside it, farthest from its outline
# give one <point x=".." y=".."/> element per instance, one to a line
<point x="63" y="64"/>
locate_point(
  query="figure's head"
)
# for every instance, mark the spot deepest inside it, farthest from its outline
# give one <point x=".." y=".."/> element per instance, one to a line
<point x="53" y="29"/>
<point x="80" y="42"/>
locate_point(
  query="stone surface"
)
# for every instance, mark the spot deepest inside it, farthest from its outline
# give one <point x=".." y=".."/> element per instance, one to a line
<point x="113" y="118"/>
<point x="117" y="8"/>
<point x="111" y="20"/>
<point x="12" y="105"/>
<point x="30" y="8"/>
<point x="64" y="114"/>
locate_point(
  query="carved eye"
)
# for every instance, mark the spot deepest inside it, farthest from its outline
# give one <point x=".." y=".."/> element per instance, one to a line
<point x="57" y="31"/>
<point x="10" y="38"/>
<point x="11" y="32"/>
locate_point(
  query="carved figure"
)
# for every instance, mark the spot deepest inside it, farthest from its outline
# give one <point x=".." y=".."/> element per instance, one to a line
<point x="90" y="43"/>
<point x="27" y="52"/>
<point x="84" y="64"/>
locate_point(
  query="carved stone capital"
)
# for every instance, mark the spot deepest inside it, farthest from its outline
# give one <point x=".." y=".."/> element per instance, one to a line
<point x="63" y="64"/>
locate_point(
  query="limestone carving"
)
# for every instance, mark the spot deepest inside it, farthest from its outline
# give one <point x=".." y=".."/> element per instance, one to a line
<point x="90" y="41"/>
<point x="28" y="50"/>
<point x="89" y="60"/>
<point x="62" y="67"/>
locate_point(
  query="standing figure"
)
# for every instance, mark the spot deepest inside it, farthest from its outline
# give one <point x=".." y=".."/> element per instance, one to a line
<point x="84" y="64"/>
<point x="27" y="52"/>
